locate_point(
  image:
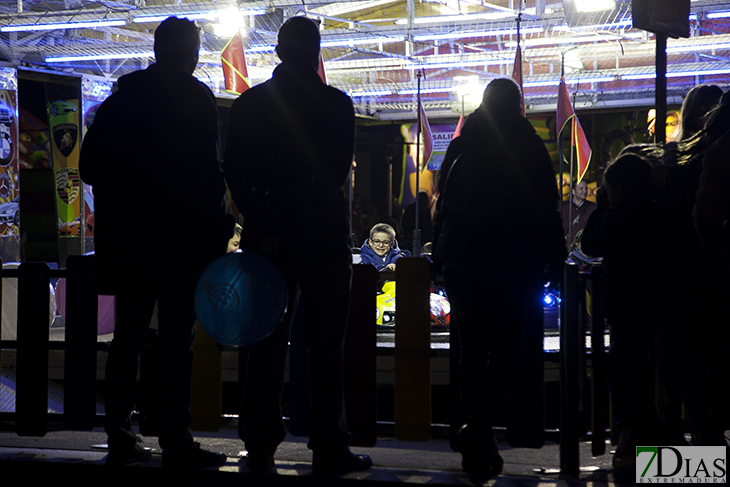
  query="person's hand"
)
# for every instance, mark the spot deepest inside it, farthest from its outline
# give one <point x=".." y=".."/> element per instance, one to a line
<point x="389" y="267"/>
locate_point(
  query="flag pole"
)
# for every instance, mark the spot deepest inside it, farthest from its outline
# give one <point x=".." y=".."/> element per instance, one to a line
<point x="519" y="50"/>
<point x="416" y="230"/>
<point x="560" y="137"/>
<point x="573" y="131"/>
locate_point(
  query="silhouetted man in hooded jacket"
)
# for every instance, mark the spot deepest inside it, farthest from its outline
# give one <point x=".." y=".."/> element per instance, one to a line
<point x="499" y="231"/>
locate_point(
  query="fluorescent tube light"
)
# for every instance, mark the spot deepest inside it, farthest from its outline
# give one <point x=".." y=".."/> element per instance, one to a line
<point x="637" y="77"/>
<point x="426" y="91"/>
<point x="457" y="64"/>
<point x="701" y="47"/>
<point x="371" y="93"/>
<point x="209" y="15"/>
<point x="101" y="57"/>
<point x="438" y="19"/>
<point x="551" y="41"/>
<point x="677" y="74"/>
<point x="718" y="15"/>
<point x="486" y="33"/>
<point x="698" y="72"/>
<point x="91" y="24"/>
<point x="613" y="25"/>
<point x="364" y="40"/>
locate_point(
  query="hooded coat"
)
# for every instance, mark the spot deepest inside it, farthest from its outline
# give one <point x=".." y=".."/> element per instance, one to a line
<point x="369" y="256"/>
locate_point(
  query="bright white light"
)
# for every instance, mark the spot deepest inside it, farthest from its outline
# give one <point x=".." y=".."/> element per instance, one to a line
<point x="229" y="22"/>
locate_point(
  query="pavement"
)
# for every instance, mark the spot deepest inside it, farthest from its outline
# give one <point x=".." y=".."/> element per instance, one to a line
<point x="80" y="456"/>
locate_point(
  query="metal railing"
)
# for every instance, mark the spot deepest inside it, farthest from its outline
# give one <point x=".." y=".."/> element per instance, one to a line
<point x="412" y="356"/>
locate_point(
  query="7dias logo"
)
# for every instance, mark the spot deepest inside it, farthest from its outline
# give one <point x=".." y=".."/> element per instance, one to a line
<point x="681" y="465"/>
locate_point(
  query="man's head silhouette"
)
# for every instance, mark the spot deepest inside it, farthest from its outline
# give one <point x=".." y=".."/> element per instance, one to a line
<point x="177" y="42"/>
<point x="298" y="42"/>
<point x="502" y="97"/>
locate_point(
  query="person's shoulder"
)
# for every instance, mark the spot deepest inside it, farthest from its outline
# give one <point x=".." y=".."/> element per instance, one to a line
<point x="337" y="96"/>
<point x="254" y="94"/>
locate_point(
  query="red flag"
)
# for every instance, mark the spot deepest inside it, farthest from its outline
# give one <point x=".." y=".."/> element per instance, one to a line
<point x="425" y="128"/>
<point x="320" y="69"/>
<point x="459" y="124"/>
<point x="234" y="66"/>
<point x="578" y="138"/>
<point x="517" y="75"/>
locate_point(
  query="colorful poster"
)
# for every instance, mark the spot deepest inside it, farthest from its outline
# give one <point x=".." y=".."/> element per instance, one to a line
<point x="441" y="136"/>
<point x="64" y="121"/>
<point x="94" y="92"/>
<point x="9" y="208"/>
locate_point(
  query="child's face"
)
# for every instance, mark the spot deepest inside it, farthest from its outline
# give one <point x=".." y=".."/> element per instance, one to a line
<point x="380" y="243"/>
<point x="234" y="243"/>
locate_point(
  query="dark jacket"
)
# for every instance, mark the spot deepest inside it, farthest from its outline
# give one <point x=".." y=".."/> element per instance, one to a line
<point x="712" y="211"/>
<point x="499" y="202"/>
<point x="152" y="157"/>
<point x="287" y="158"/>
<point x="638" y="242"/>
<point x="369" y="256"/>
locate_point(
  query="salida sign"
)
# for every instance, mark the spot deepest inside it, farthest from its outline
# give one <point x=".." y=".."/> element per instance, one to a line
<point x="681" y="464"/>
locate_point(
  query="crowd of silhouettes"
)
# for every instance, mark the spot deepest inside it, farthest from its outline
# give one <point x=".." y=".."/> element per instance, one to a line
<point x="661" y="226"/>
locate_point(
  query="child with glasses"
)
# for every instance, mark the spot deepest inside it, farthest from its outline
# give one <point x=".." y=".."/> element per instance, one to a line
<point x="381" y="249"/>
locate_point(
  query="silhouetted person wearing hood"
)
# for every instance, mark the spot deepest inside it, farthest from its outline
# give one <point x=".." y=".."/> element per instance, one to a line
<point x="499" y="197"/>
<point x="288" y="156"/>
<point x="153" y="149"/>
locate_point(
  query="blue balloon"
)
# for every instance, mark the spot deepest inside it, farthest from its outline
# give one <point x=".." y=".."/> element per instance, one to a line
<point x="241" y="299"/>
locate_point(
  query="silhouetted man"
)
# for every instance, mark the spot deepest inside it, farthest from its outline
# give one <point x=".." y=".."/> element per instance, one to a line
<point x="500" y="229"/>
<point x="151" y="154"/>
<point x="288" y="156"/>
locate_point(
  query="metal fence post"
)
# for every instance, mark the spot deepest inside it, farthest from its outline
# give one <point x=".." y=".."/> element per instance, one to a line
<point x="79" y="401"/>
<point x="413" y="350"/>
<point x="570" y="334"/>
<point x="31" y="406"/>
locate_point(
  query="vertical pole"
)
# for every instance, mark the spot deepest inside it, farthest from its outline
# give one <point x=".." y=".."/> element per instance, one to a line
<point x="417" y="231"/>
<point x="599" y="387"/>
<point x="660" y="123"/>
<point x="573" y="128"/>
<point x="569" y="370"/>
<point x="79" y="401"/>
<point x="360" y="359"/>
<point x="413" y="350"/>
<point x="31" y="412"/>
